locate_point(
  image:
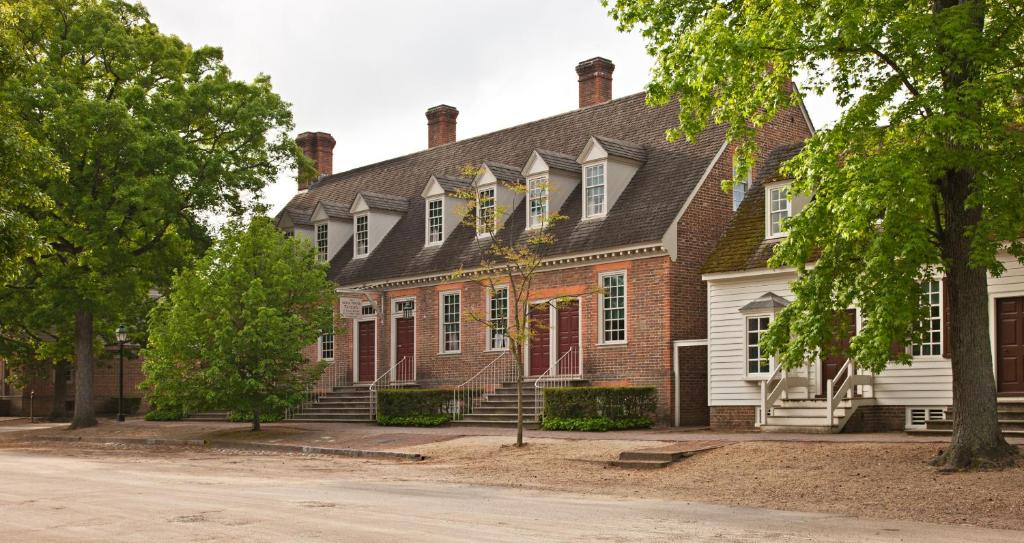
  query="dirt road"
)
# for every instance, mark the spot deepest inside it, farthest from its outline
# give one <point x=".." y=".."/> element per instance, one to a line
<point x="194" y="496"/>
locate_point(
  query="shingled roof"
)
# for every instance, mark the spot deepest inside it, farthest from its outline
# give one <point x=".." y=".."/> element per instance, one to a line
<point x="452" y="184"/>
<point x="621" y="148"/>
<point x="744" y="247"/>
<point x="642" y="214"/>
<point x="559" y="161"/>
<point x="336" y="210"/>
<point x="505" y="173"/>
<point x="385" y="202"/>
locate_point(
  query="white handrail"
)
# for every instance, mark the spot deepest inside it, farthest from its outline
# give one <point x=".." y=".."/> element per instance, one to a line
<point x="387" y="381"/>
<point x="468" y="395"/>
<point x="332" y="377"/>
<point x="553" y="377"/>
<point x="834" y="395"/>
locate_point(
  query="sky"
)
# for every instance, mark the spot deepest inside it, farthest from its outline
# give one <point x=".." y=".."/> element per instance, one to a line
<point x="366" y="72"/>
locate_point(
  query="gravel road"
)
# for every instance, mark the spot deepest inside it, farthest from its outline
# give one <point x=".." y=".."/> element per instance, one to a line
<point x="197" y="496"/>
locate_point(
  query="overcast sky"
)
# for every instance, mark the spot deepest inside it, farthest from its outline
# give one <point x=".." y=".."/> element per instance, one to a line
<point x="367" y="71"/>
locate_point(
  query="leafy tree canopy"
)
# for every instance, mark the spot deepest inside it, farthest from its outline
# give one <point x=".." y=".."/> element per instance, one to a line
<point x="230" y="334"/>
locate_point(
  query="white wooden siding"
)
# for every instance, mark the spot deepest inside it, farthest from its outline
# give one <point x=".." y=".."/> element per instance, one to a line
<point x="927" y="382"/>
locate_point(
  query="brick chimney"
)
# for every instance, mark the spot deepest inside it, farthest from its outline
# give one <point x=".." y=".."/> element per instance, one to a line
<point x="318" y="147"/>
<point x="441" y="125"/>
<point x="595" y="81"/>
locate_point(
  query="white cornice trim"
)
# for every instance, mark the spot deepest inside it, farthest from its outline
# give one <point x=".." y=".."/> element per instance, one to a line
<point x="719" y="276"/>
<point x="554" y="263"/>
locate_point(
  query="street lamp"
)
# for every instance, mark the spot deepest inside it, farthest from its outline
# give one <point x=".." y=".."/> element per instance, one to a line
<point x="122" y="338"/>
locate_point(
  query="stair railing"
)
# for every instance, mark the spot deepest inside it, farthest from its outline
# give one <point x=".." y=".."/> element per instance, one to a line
<point x="390" y="379"/>
<point x="848" y="379"/>
<point x="467" y="396"/>
<point x="552" y="377"/>
<point x="331" y="378"/>
<point x="776" y="386"/>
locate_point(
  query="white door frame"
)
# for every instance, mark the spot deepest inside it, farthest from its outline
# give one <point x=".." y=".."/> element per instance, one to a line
<point x="355" y="346"/>
<point x="553" y="333"/>
<point x="395" y="315"/>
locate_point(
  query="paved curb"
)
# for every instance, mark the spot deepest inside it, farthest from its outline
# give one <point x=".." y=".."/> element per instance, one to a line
<point x="268" y="447"/>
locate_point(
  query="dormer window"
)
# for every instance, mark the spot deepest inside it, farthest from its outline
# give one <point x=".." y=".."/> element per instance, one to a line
<point x="485" y="214"/>
<point x="739" y="189"/>
<point x="593" y="191"/>
<point x="778" y="210"/>
<point x="362" y="246"/>
<point x="435" y="221"/>
<point x="321" y="242"/>
<point x="537" y="198"/>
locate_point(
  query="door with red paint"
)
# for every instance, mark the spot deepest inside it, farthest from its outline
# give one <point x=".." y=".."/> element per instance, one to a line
<point x="831" y="365"/>
<point x="568" y="331"/>
<point x="405" y="348"/>
<point x="540" y="339"/>
<point x="1010" y="345"/>
<point x="367" y="351"/>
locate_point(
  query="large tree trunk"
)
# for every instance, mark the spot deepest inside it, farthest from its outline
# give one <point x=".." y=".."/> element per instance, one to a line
<point x="977" y="440"/>
<point x="59" y="411"/>
<point x="255" y="421"/>
<point x="85" y="411"/>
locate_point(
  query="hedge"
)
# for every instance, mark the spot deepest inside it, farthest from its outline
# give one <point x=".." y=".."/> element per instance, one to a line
<point x="599" y="409"/>
<point x="240" y="416"/>
<point x="412" y="407"/>
<point x="158" y="414"/>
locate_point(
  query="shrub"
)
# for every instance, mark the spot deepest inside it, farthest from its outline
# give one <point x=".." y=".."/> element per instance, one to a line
<point x="238" y="416"/>
<point x="599" y="409"/>
<point x="164" y="414"/>
<point x="412" y="407"/>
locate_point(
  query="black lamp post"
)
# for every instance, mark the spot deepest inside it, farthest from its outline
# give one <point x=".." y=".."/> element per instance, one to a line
<point x="122" y="338"/>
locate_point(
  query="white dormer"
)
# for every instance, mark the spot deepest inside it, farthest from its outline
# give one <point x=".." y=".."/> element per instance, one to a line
<point x="332" y="228"/>
<point x="608" y="166"/>
<point x="373" y="216"/>
<point x="550" y="178"/>
<point x="295" y="222"/>
<point x="493" y="192"/>
<point x="780" y="205"/>
<point x="441" y="212"/>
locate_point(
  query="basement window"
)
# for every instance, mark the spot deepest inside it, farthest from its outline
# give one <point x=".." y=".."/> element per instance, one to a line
<point x="918" y="417"/>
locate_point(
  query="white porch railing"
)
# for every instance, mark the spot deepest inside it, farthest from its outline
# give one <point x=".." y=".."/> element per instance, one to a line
<point x="848" y="380"/>
<point x="396" y="376"/>
<point x="553" y="377"/>
<point x="775" y="387"/>
<point x="333" y="376"/>
<point x="470" y="394"/>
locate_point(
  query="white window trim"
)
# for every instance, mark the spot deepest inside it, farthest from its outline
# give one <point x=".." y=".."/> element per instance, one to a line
<point x="395" y="315"/>
<point x="747" y="181"/>
<point x="440" y="322"/>
<point x="942" y="331"/>
<point x="322" y="257"/>
<point x="625" y="308"/>
<point x="759" y="376"/>
<point x="480" y="233"/>
<point x="426" y="209"/>
<point x="768" y="211"/>
<point x="529" y="202"/>
<point x="355" y="235"/>
<point x="583" y="180"/>
<point x="508" y="316"/>
<point x="320" y="346"/>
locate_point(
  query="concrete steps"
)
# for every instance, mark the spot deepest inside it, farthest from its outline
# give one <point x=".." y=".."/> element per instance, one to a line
<point x="1011" y="420"/>
<point x="499" y="408"/>
<point x="344" y="404"/>
<point x="208" y="416"/>
<point x="807" y="416"/>
<point x="648" y="459"/>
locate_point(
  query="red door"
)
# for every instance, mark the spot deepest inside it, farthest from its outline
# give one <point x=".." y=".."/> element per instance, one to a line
<point x="405" y="335"/>
<point x="367" y="351"/>
<point x="1010" y="345"/>
<point x="568" y="331"/>
<point x="831" y="365"/>
<point x="540" y="339"/>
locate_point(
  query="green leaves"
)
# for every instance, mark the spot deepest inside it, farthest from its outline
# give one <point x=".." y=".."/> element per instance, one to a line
<point x="231" y="333"/>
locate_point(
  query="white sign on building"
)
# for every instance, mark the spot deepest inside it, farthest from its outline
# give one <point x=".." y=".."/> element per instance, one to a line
<point x="351" y="307"/>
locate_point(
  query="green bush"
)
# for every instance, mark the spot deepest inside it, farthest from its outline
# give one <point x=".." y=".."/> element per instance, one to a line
<point x="412" y="407"/>
<point x="238" y="416"/>
<point x="164" y="414"/>
<point x="599" y="409"/>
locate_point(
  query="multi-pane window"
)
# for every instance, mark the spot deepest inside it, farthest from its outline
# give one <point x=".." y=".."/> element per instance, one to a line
<point x="537" y="193"/>
<point x="739" y="190"/>
<point x="368" y="309"/>
<point x="485" y="204"/>
<point x="594" y="185"/>
<point x="931" y="297"/>
<point x="497" y="319"/>
<point x="327" y="346"/>
<point x="613" y="308"/>
<point x="778" y="209"/>
<point x="435" y="221"/>
<point x="362" y="235"/>
<point x="321" y="242"/>
<point x="757" y="363"/>
<point x="450" y="323"/>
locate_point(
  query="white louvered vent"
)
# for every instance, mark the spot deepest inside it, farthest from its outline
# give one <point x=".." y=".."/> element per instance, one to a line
<point x="918" y="417"/>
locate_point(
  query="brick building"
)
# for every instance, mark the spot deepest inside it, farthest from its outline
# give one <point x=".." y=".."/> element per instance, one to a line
<point x="37" y="394"/>
<point x="642" y="216"/>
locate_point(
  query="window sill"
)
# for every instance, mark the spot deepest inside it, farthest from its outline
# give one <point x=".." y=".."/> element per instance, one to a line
<point x="613" y="343"/>
<point x="756" y="377"/>
<point x="445" y="353"/>
<point x="503" y="350"/>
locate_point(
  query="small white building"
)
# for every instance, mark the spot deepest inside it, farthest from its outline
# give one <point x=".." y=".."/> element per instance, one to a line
<point x="746" y="389"/>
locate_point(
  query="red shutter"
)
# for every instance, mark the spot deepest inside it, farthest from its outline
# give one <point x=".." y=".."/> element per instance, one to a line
<point x="947" y="351"/>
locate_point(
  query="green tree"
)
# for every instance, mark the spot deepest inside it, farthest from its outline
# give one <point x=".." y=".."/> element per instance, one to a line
<point x="154" y="137"/>
<point x="231" y="332"/>
<point x="921" y="175"/>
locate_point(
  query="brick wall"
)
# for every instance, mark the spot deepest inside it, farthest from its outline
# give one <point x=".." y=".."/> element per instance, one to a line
<point x="732" y="417"/>
<point x="877" y="418"/>
<point x="105" y="389"/>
